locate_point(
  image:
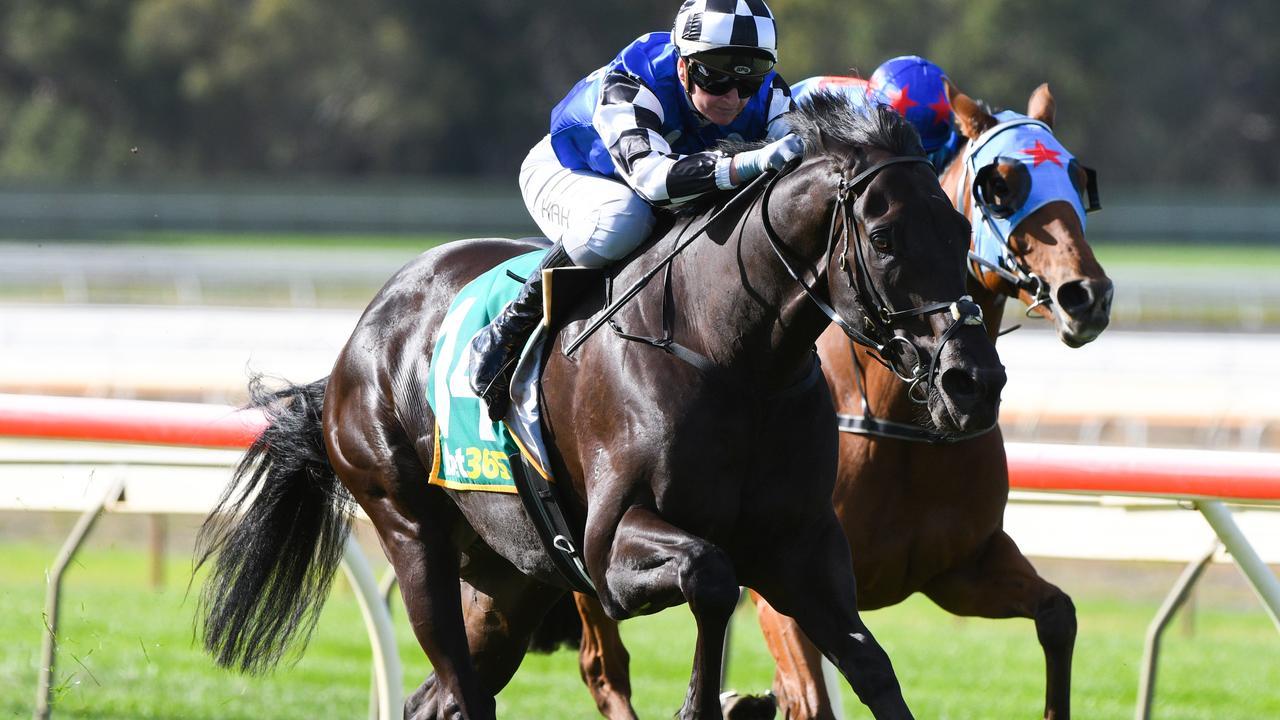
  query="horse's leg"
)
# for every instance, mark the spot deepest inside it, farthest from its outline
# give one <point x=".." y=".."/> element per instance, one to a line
<point x="426" y="564"/>
<point x="604" y="661"/>
<point x="798" y="683"/>
<point x="651" y="565"/>
<point x="812" y="581"/>
<point x="999" y="582"/>
<point x="414" y="522"/>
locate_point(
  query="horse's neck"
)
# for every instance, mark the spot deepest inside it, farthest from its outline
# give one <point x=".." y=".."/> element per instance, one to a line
<point x="741" y="307"/>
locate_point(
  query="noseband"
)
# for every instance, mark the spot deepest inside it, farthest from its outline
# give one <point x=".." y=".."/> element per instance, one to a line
<point x="894" y="351"/>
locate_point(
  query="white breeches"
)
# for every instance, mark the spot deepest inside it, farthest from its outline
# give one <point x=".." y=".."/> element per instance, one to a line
<point x="600" y="220"/>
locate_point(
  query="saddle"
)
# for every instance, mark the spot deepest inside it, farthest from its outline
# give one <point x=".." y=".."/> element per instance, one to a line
<point x="473" y="453"/>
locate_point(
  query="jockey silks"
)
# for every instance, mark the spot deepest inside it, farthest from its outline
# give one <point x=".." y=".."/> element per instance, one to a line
<point x="651" y="60"/>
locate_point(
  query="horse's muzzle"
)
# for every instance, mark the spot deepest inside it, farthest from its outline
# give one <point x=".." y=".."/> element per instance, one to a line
<point x="967" y="393"/>
<point x="1083" y="309"/>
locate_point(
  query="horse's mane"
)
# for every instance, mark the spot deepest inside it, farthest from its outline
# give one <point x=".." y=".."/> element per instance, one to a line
<point x="826" y="119"/>
<point x="830" y="123"/>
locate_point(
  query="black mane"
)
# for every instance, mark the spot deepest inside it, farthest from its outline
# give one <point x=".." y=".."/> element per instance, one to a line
<point x="827" y="118"/>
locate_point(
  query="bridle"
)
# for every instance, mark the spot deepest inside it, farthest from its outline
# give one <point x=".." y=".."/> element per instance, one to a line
<point x="894" y="351"/>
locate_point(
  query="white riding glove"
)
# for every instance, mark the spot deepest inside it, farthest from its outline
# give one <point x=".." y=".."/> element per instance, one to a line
<point x="773" y="156"/>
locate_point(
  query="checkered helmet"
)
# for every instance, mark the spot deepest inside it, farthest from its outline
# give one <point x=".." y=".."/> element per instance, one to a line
<point x="705" y="25"/>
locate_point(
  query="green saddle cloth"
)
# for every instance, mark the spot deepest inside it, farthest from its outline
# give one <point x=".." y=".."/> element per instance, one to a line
<point x="472" y="450"/>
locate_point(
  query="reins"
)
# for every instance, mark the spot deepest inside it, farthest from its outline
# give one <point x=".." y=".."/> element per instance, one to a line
<point x="639" y="285"/>
<point x="881" y="323"/>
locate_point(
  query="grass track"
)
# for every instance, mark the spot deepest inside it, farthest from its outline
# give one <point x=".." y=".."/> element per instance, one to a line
<point x="1181" y="256"/>
<point x="127" y="653"/>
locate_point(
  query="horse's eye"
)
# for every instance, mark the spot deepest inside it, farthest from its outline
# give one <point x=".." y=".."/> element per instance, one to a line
<point x="882" y="241"/>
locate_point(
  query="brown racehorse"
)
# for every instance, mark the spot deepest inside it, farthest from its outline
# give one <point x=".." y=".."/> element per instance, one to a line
<point x="693" y="480"/>
<point x="924" y="517"/>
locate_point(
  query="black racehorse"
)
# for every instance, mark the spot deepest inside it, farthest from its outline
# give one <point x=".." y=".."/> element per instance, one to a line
<point x="690" y="480"/>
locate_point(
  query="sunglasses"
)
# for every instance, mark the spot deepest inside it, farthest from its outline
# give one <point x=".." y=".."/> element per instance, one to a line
<point x="718" y="73"/>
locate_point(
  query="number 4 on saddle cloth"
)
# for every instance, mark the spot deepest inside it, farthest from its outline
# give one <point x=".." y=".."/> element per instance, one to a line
<point x="474" y="453"/>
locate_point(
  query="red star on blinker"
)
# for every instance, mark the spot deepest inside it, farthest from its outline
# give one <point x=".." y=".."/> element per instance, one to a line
<point x="1041" y="154"/>
<point x="941" y="109"/>
<point x="900" y="102"/>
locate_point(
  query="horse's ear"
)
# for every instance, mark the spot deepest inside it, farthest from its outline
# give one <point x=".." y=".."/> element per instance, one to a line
<point x="952" y="90"/>
<point x="971" y="119"/>
<point x="1041" y="105"/>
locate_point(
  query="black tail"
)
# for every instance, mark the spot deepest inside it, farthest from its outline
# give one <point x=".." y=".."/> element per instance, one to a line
<point x="278" y="533"/>
<point x="560" y="627"/>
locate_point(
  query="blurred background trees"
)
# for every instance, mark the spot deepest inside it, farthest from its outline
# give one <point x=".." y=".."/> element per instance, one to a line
<point x="1174" y="92"/>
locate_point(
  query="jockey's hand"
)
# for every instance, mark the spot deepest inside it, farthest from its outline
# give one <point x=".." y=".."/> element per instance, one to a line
<point x="749" y="164"/>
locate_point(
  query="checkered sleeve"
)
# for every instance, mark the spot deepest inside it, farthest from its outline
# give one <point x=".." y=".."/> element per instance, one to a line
<point x="780" y="107"/>
<point x="629" y="121"/>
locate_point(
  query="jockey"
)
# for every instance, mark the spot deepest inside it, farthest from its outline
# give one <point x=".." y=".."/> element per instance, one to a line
<point x="637" y="134"/>
<point x="917" y="89"/>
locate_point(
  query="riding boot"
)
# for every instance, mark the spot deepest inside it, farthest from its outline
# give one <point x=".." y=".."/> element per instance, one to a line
<point x="496" y="348"/>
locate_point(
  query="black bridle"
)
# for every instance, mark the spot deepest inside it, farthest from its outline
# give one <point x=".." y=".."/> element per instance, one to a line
<point x="894" y="351"/>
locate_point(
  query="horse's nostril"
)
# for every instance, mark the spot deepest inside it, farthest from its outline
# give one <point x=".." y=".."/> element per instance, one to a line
<point x="1078" y="298"/>
<point x="958" y="384"/>
<point x="1074" y="296"/>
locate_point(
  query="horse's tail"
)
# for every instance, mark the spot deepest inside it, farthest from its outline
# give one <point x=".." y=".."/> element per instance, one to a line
<point x="278" y="533"/>
<point x="560" y="627"/>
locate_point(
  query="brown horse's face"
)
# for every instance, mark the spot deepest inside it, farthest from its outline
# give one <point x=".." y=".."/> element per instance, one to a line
<point x="913" y="245"/>
<point x="1049" y="243"/>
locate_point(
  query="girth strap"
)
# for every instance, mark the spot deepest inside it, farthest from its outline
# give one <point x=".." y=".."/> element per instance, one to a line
<point x="543" y="506"/>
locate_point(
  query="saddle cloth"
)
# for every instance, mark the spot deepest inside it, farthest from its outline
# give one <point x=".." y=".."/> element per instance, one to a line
<point x="471" y="451"/>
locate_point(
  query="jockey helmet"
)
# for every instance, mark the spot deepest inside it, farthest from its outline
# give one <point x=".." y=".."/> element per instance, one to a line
<point x="736" y="38"/>
<point x="917" y="89"/>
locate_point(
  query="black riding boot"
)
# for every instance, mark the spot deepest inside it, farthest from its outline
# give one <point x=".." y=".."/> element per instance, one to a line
<point x="496" y="348"/>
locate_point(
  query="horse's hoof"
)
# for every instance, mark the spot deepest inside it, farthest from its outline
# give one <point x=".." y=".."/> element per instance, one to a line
<point x="748" y="707"/>
<point x="421" y="703"/>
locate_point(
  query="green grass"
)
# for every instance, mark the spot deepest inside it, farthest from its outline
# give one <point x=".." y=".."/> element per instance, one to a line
<point x="1206" y="255"/>
<point x="127" y="652"/>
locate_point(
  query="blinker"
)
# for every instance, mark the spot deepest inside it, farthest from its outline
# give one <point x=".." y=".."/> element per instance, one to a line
<point x="1018" y="182"/>
<point x="1091" y="189"/>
